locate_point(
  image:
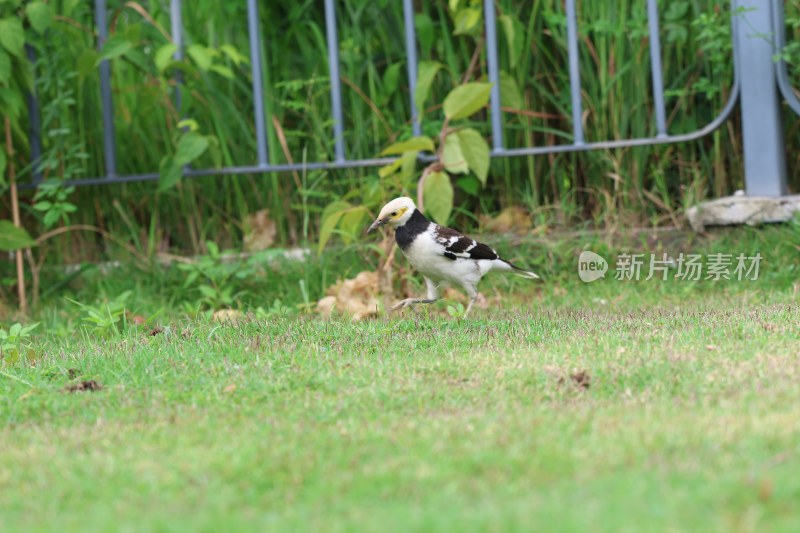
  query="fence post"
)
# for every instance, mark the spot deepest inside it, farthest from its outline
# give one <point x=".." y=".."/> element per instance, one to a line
<point x="760" y="104"/>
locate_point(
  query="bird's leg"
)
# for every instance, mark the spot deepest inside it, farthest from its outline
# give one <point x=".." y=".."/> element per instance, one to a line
<point x="433" y="296"/>
<point x="433" y="289"/>
<point x="410" y="302"/>
<point x="473" y="295"/>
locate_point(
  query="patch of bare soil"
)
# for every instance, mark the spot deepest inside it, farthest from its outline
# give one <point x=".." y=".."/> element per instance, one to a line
<point x="83" y="386"/>
<point x="581" y="379"/>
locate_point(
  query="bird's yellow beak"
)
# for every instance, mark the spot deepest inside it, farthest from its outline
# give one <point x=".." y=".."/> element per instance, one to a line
<point x="377" y="223"/>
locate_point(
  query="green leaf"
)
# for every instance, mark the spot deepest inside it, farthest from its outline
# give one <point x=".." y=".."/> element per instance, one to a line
<point x="43" y="206"/>
<point x="87" y="62"/>
<point x="391" y="78"/>
<point x="201" y="55"/>
<point x="426" y="33"/>
<point x="12" y="35"/>
<point x="515" y="37"/>
<point x="234" y="55"/>
<point x="469" y="184"/>
<point x="466" y="20"/>
<point x="407" y="162"/>
<point x="415" y="144"/>
<point x="207" y="291"/>
<point x="169" y="173"/>
<point x="27" y="329"/>
<point x="330" y="218"/>
<point x="190" y="146"/>
<point x="164" y="56"/>
<point x="14" y="238"/>
<point x="69" y="6"/>
<point x="453" y="157"/>
<point x="39" y="16"/>
<point x="11" y="102"/>
<point x="222" y="70"/>
<point x="476" y="152"/>
<point x="5" y="67"/>
<point x="510" y="95"/>
<point x="466" y="99"/>
<point x="425" y="75"/>
<point x="390" y="169"/>
<point x="676" y="10"/>
<point x="51" y="217"/>
<point x="437" y="192"/>
<point x="352" y="223"/>
<point x="408" y="172"/>
<point x="116" y="46"/>
<point x="213" y="248"/>
<point x="189" y="124"/>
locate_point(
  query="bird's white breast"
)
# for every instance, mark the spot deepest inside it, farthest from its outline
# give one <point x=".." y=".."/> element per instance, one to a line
<point x="427" y="256"/>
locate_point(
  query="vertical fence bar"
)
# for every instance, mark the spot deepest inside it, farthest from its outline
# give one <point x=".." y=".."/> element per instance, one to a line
<point x="494" y="75"/>
<point x="574" y="72"/>
<point x="762" y="123"/>
<point x="411" y="60"/>
<point x="176" y="23"/>
<point x="258" y="89"/>
<point x="336" y="84"/>
<point x="655" y="69"/>
<point x="106" y="102"/>
<point x="35" y="118"/>
<point x="779" y="41"/>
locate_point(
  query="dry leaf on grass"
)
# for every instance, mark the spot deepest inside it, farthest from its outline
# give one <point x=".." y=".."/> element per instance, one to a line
<point x="230" y="316"/>
<point x="260" y="231"/>
<point x="357" y="297"/>
<point x="137" y="320"/>
<point x="82" y="386"/>
<point x="510" y="219"/>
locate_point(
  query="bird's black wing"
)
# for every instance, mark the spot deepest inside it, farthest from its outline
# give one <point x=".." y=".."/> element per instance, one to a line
<point x="457" y="245"/>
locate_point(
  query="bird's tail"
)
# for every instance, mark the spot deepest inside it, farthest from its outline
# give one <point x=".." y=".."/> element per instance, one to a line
<point x="521" y="272"/>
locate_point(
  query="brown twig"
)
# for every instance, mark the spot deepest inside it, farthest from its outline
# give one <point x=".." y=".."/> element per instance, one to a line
<point x="12" y="180"/>
<point x="420" y="185"/>
<point x="73" y="23"/>
<point x="149" y="18"/>
<point x="473" y="63"/>
<point x="370" y="103"/>
<point x="286" y="153"/>
<point x="86" y="227"/>
<point x="532" y="114"/>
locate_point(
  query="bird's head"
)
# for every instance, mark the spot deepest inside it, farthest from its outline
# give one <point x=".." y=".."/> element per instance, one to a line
<point x="396" y="213"/>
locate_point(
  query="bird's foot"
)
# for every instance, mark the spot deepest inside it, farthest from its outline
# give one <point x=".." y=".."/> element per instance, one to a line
<point x="411" y="302"/>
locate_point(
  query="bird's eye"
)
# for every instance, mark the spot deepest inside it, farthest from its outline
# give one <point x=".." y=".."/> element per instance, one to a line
<point x="394" y="213"/>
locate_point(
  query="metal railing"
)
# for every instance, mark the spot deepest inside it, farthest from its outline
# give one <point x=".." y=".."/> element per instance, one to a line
<point x="782" y="75"/>
<point x="775" y="181"/>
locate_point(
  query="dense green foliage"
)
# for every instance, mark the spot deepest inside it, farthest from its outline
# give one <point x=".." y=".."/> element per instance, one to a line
<point x="214" y="127"/>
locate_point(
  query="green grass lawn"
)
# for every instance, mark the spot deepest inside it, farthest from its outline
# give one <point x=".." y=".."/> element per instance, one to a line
<point x="609" y="406"/>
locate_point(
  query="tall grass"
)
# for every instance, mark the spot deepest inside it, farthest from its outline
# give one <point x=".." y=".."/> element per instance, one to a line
<point x="607" y="188"/>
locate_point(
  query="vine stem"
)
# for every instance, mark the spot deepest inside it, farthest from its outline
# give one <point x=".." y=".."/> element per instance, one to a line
<point x="12" y="180"/>
<point x="438" y="165"/>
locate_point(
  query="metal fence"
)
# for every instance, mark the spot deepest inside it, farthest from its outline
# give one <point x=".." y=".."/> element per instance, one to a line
<point x="758" y="93"/>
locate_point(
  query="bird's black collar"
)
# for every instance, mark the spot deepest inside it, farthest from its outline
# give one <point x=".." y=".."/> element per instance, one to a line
<point x="415" y="225"/>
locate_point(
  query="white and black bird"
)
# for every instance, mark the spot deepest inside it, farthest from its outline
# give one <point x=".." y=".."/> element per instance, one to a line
<point x="441" y="254"/>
